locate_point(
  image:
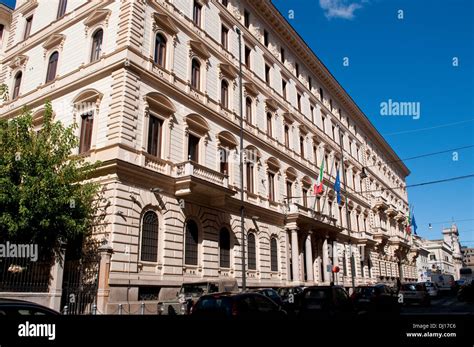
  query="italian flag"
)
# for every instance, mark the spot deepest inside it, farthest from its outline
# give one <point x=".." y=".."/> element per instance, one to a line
<point x="318" y="187"/>
<point x="408" y="227"/>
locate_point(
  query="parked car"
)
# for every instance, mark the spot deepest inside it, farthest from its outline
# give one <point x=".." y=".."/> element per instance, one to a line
<point x="432" y="288"/>
<point x="19" y="308"/>
<point x="290" y="295"/>
<point x="415" y="293"/>
<point x="445" y="283"/>
<point x="241" y="305"/>
<point x="466" y="292"/>
<point x="325" y="302"/>
<point x="270" y="293"/>
<point x="376" y="298"/>
<point x="189" y="294"/>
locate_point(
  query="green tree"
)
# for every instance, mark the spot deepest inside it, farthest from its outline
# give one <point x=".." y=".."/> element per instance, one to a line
<point x="46" y="195"/>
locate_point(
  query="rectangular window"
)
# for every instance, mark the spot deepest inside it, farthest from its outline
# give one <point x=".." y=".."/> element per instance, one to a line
<point x="310" y="83"/>
<point x="311" y="109"/>
<point x="283" y="88"/>
<point x="271" y="186"/>
<point x="29" y="22"/>
<point x="267" y="73"/>
<point x="269" y="124"/>
<point x="323" y="125"/>
<point x="193" y="148"/>
<point x="287" y="136"/>
<point x="297" y="70"/>
<point x="321" y="94"/>
<point x="197" y="9"/>
<point x="289" y="186"/>
<point x="247" y="57"/>
<point x="333" y="129"/>
<point x="302" y="146"/>
<point x="282" y="55"/>
<point x="223" y="160"/>
<point x="265" y="38"/>
<point x="330" y="104"/>
<point x="250" y="185"/>
<point x="298" y="99"/>
<point x="155" y="126"/>
<point x="247" y="19"/>
<point x="61" y="8"/>
<point x="87" y="121"/>
<point x="224" y="37"/>
<point x="305" y="197"/>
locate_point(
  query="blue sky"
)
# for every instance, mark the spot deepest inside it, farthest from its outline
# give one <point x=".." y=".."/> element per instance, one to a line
<point x="409" y="59"/>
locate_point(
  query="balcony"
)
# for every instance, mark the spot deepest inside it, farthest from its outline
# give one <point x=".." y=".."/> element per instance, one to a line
<point x="379" y="203"/>
<point x="193" y="178"/>
<point x="391" y="211"/>
<point x="308" y="219"/>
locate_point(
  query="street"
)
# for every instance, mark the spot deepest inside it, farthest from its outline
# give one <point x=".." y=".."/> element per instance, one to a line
<point x="445" y="304"/>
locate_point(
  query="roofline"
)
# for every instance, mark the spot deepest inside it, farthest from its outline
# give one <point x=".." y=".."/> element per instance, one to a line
<point x="7" y="8"/>
<point x="322" y="72"/>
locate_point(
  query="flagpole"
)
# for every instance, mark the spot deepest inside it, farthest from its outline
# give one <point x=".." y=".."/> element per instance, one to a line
<point x="351" y="255"/>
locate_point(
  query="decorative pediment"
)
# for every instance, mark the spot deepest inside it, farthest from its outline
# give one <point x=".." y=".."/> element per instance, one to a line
<point x="165" y="22"/>
<point x="228" y="71"/>
<point x="28" y="6"/>
<point x="200" y="49"/>
<point x="159" y="103"/>
<point x="288" y="117"/>
<point x="251" y="88"/>
<point x="97" y="16"/>
<point x="53" y="41"/>
<point x="303" y="129"/>
<point x="271" y="104"/>
<point x="18" y="62"/>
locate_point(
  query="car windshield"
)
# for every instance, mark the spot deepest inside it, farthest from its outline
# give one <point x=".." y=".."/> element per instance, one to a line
<point x="320" y="294"/>
<point x="221" y="304"/>
<point x="193" y="288"/>
<point x="365" y="291"/>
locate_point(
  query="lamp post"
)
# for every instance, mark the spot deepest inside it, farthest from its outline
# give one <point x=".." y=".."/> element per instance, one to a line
<point x="241" y="164"/>
<point x="351" y="255"/>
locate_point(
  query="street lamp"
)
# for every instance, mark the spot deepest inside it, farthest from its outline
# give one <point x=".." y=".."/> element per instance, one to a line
<point x="241" y="164"/>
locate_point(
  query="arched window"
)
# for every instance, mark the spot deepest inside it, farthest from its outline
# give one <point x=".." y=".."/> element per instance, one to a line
<point x="224" y="248"/>
<point x="251" y="252"/>
<point x="97" y="45"/>
<point x="85" y="140"/>
<point x="52" y="67"/>
<point x="273" y="254"/>
<point x="16" y="85"/>
<point x="195" y="74"/>
<point x="149" y="246"/>
<point x="224" y="94"/>
<point x="191" y="243"/>
<point x="248" y="110"/>
<point x="160" y="50"/>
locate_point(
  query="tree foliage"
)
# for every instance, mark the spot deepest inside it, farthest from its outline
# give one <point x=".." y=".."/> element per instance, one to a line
<point x="46" y="196"/>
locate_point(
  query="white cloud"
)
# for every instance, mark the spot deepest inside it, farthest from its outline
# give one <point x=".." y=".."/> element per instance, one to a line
<point x="340" y="8"/>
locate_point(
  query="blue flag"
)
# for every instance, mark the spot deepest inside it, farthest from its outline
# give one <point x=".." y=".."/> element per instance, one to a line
<point x="337" y="188"/>
<point x="413" y="223"/>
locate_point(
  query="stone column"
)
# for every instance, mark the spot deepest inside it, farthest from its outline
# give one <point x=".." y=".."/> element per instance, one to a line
<point x="327" y="275"/>
<point x="103" y="282"/>
<point x="309" y="258"/>
<point x="295" y="255"/>
<point x="56" y="284"/>
<point x="318" y="262"/>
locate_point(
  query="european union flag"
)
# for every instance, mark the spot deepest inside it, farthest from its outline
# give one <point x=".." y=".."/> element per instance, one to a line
<point x="413" y="223"/>
<point x="337" y="188"/>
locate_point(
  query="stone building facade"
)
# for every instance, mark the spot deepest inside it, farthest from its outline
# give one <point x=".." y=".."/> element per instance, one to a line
<point x="154" y="89"/>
